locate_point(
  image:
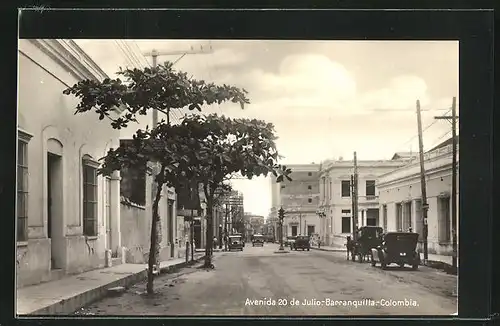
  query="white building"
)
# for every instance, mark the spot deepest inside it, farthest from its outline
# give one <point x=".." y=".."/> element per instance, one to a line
<point x="67" y="215"/>
<point x="69" y="219"/>
<point x="299" y="198"/>
<point x="335" y="202"/>
<point x="400" y="198"/>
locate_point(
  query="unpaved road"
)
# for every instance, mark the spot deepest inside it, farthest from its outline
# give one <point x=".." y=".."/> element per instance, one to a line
<point x="259" y="282"/>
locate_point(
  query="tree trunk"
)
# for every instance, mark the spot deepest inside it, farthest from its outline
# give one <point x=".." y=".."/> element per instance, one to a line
<point x="209" y="231"/>
<point x="154" y="237"/>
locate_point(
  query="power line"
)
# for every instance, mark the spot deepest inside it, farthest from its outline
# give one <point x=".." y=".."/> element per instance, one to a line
<point x="423" y="130"/>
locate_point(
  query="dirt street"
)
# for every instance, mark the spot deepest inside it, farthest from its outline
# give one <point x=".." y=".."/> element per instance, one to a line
<point x="259" y="282"/>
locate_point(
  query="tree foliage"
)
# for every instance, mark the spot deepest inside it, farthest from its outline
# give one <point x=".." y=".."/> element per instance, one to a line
<point x="161" y="88"/>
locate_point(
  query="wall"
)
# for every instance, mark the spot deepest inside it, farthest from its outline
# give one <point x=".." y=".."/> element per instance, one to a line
<point x="331" y="201"/>
<point x="48" y="115"/>
<point x="438" y="182"/>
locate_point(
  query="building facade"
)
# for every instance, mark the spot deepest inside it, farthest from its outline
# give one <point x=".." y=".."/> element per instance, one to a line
<point x="401" y="199"/>
<point x="255" y="223"/>
<point x="299" y="198"/>
<point x="68" y="217"/>
<point x="335" y="202"/>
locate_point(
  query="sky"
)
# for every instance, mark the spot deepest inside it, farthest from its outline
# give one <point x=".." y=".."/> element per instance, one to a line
<point x="326" y="99"/>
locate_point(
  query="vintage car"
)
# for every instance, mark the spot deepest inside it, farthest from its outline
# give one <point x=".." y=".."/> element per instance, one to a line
<point x="398" y="248"/>
<point x="367" y="237"/>
<point x="235" y="242"/>
<point x="258" y="240"/>
<point x="290" y="240"/>
<point x="302" y="242"/>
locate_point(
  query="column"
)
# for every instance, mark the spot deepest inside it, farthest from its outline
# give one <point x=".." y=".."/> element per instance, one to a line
<point x="363" y="216"/>
<point x="116" y="240"/>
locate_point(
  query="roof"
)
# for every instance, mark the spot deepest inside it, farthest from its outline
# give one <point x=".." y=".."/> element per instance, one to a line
<point x="447" y="142"/>
<point x="403" y="155"/>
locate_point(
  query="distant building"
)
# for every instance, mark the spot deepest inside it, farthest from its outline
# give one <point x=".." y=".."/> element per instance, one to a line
<point x="255" y="223"/>
<point x="400" y="198"/>
<point x="299" y="198"/>
<point x="335" y="196"/>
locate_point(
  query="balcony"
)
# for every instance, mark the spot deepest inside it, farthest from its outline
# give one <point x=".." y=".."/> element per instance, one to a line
<point x="369" y="198"/>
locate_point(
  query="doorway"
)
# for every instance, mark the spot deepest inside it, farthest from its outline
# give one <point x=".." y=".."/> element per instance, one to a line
<point x="294" y="230"/>
<point x="171" y="228"/>
<point x="54" y="209"/>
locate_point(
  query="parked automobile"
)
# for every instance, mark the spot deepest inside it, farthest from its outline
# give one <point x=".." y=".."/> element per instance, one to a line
<point x="302" y="242"/>
<point x="258" y="240"/>
<point x="368" y="237"/>
<point x="290" y="240"/>
<point x="398" y="248"/>
<point x="236" y="242"/>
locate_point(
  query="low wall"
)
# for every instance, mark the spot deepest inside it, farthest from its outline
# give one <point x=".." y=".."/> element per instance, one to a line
<point x="135" y="232"/>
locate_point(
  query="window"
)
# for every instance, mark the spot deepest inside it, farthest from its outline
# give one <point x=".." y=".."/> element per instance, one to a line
<point x="444" y="223"/>
<point x="89" y="197"/>
<point x="22" y="188"/>
<point x="346" y="188"/>
<point x="309" y="174"/>
<point x="407" y="216"/>
<point x="133" y="185"/>
<point x="310" y="200"/>
<point x="399" y="217"/>
<point x="346" y="211"/>
<point x="309" y="187"/>
<point x="370" y="187"/>
<point x="346" y="224"/>
<point x="384" y="217"/>
<point x="283" y="187"/>
<point x="294" y="230"/>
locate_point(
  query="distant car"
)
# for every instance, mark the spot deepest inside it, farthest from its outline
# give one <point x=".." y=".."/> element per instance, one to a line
<point x="290" y="240"/>
<point x="258" y="240"/>
<point x="236" y="242"/>
<point x="302" y="242"/>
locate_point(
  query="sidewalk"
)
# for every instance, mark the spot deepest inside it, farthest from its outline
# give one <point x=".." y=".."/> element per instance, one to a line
<point x="67" y="295"/>
<point x="434" y="261"/>
<point x="329" y="248"/>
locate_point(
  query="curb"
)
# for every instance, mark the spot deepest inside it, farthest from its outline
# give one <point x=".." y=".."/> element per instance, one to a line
<point x="435" y="264"/>
<point x="330" y="250"/>
<point x="70" y="305"/>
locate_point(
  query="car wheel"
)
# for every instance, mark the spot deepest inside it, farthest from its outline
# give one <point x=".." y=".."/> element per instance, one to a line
<point x="307" y="249"/>
<point x="353" y="256"/>
<point x="402" y="265"/>
<point x="414" y="267"/>
<point x="360" y="258"/>
<point x="384" y="265"/>
<point x="373" y="262"/>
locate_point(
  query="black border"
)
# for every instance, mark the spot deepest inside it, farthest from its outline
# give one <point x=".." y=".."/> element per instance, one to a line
<point x="474" y="29"/>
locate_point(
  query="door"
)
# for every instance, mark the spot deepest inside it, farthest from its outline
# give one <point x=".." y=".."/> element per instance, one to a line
<point x="294" y="230"/>
<point x="171" y="228"/>
<point x="310" y="230"/>
<point x="107" y="210"/>
<point x="54" y="209"/>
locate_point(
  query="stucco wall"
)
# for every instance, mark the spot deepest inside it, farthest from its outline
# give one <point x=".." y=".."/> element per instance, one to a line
<point x="48" y="115"/>
<point x="410" y="190"/>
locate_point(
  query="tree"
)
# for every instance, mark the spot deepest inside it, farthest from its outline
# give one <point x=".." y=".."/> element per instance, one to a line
<point x="163" y="89"/>
<point x="228" y="146"/>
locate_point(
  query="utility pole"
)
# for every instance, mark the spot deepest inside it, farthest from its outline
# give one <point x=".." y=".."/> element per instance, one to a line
<point x="154" y="54"/>
<point x="454" y="219"/>
<point x="353" y="209"/>
<point x="425" y="206"/>
<point x="355" y="196"/>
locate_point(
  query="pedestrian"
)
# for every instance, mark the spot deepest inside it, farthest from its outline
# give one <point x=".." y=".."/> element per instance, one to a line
<point x="215" y="243"/>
